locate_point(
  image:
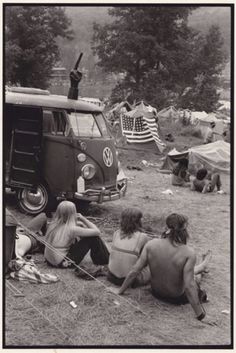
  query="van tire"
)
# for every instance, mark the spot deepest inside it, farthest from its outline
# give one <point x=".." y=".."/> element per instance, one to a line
<point x="31" y="203"/>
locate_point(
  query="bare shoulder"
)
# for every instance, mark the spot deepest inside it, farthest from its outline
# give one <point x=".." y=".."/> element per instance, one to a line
<point x="189" y="253"/>
<point x="153" y="244"/>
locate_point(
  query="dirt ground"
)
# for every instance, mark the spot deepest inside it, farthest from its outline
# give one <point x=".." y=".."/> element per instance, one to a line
<point x="44" y="317"/>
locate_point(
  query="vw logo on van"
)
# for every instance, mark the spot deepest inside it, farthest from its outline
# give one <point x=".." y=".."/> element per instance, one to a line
<point x="107" y="157"/>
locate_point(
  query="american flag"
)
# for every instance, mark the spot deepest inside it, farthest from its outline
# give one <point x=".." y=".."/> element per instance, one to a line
<point x="141" y="130"/>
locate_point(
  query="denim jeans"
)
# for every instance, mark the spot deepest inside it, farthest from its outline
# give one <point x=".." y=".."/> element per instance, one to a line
<point x="98" y="250"/>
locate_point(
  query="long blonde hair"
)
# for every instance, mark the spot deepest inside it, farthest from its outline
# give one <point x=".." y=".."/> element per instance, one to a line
<point x="60" y="227"/>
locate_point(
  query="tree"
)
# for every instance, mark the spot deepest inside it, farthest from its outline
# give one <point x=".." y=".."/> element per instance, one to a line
<point x="155" y="50"/>
<point x="143" y="43"/>
<point x="31" y="49"/>
<point x="209" y="62"/>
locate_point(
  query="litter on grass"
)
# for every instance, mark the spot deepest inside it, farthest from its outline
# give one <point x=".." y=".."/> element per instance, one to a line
<point x="167" y="192"/>
<point x="226" y="312"/>
<point x="116" y="302"/>
<point x="72" y="303"/>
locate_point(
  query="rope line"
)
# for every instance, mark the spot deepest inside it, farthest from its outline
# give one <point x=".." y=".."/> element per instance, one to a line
<point x="77" y="266"/>
<point x="12" y="288"/>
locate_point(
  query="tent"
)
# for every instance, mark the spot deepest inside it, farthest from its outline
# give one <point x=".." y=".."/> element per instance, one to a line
<point x="199" y="115"/>
<point x="204" y="125"/>
<point x="214" y="156"/>
<point x="140" y="126"/>
<point x="169" y="112"/>
<point x="118" y="109"/>
<point x="224" y="105"/>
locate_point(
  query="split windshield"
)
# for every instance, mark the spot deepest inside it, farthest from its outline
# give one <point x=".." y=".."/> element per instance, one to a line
<point x="88" y="125"/>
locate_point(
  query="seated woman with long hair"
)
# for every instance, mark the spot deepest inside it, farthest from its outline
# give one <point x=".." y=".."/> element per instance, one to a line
<point x="71" y="235"/>
<point x="126" y="248"/>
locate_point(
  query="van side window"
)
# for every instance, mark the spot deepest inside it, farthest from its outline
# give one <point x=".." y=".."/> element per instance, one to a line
<point x="54" y="122"/>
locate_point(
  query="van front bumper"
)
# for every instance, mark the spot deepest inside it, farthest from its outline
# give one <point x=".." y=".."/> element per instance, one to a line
<point x="102" y="195"/>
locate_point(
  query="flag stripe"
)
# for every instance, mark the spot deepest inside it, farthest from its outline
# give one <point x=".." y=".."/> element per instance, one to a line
<point x="141" y="130"/>
<point x="138" y="137"/>
<point x="137" y="133"/>
<point x="140" y="141"/>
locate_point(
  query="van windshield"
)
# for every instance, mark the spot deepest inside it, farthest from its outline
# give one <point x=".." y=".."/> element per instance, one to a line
<point x="85" y="124"/>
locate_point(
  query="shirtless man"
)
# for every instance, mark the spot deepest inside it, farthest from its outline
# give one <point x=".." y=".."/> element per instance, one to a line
<point x="172" y="265"/>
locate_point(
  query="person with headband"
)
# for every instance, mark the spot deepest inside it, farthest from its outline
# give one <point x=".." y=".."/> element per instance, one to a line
<point x="175" y="277"/>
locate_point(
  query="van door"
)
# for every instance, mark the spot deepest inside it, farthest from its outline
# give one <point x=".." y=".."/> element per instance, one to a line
<point x="25" y="149"/>
<point x="58" y="158"/>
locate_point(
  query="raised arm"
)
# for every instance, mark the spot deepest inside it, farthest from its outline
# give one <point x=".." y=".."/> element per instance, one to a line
<point x="85" y="228"/>
<point x="191" y="287"/>
<point x="140" y="264"/>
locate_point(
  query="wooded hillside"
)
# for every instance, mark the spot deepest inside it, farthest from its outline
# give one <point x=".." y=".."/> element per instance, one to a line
<point x="83" y="17"/>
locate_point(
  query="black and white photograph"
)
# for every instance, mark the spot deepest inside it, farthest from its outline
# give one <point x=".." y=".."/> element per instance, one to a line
<point x="117" y="175"/>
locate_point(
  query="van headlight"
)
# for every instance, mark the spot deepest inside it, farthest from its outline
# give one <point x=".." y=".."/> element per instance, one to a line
<point x="88" y="171"/>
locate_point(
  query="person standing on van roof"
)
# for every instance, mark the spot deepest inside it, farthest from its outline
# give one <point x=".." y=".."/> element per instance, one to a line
<point x="72" y="235"/>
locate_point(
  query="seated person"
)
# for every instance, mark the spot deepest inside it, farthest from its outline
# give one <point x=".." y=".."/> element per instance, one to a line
<point x="180" y="174"/>
<point x="173" y="267"/>
<point x="70" y="236"/>
<point x="27" y="243"/>
<point x="206" y="182"/>
<point x="127" y="245"/>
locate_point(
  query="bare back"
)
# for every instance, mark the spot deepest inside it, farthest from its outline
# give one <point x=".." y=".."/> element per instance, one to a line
<point x="166" y="263"/>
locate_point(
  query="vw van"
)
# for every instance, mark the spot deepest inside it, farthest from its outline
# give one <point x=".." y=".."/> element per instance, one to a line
<point x="58" y="147"/>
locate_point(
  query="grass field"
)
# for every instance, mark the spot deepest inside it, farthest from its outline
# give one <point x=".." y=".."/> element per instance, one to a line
<point x="44" y="317"/>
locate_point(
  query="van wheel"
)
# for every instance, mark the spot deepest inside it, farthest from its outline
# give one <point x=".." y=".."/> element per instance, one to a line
<point x="33" y="203"/>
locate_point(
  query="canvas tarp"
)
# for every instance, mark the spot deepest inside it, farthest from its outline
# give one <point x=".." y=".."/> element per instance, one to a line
<point x="214" y="156"/>
<point x="172" y="158"/>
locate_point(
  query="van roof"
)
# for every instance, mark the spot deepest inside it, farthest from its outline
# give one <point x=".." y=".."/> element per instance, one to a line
<point x="41" y="99"/>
